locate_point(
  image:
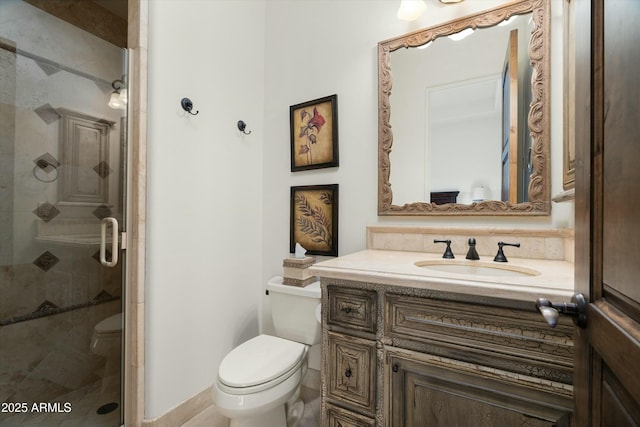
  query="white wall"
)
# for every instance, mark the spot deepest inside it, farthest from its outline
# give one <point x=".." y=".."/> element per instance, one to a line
<point x="204" y="212"/>
<point x="316" y="48"/>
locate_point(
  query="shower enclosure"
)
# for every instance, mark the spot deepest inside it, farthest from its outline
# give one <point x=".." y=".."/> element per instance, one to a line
<point x="62" y="171"/>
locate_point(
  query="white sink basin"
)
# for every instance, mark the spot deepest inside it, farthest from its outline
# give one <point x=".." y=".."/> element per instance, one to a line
<point x="477" y="268"/>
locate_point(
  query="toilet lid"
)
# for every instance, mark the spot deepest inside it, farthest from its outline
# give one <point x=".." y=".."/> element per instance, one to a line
<point x="110" y="324"/>
<point x="259" y="360"/>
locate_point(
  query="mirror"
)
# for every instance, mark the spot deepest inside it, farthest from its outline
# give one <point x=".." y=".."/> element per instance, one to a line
<point x="457" y="137"/>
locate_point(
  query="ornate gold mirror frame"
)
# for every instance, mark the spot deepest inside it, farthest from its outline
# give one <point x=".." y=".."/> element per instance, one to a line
<point x="538" y="119"/>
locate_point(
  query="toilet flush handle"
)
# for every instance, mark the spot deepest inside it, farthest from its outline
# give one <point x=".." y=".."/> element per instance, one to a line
<point x="114" y="242"/>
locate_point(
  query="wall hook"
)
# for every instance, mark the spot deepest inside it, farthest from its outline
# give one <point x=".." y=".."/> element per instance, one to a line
<point x="187" y="106"/>
<point x="242" y="126"/>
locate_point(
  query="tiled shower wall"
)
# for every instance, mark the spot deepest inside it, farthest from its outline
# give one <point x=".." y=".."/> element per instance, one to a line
<point x="53" y="290"/>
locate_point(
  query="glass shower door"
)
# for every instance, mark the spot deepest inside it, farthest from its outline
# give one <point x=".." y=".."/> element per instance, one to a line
<point x="62" y="170"/>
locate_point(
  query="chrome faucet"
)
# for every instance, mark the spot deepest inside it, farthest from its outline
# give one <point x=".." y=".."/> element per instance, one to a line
<point x="472" y="253"/>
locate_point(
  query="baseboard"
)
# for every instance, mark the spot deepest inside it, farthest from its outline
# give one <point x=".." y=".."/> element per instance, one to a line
<point x="184" y="411"/>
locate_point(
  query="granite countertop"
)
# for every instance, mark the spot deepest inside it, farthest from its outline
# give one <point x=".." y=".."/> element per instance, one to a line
<point x="398" y="268"/>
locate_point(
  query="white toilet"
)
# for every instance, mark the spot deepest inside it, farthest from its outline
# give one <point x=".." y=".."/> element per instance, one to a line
<point x="258" y="382"/>
<point x="107" y="335"/>
<point x="107" y="342"/>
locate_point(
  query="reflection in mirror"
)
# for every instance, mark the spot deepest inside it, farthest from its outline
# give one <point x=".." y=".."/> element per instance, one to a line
<point x="461" y="113"/>
<point x="454" y="116"/>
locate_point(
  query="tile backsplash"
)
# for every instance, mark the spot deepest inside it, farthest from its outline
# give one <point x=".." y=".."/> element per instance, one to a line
<point x="550" y="244"/>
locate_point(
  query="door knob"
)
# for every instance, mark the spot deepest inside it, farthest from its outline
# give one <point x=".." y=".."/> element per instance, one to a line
<point x="577" y="308"/>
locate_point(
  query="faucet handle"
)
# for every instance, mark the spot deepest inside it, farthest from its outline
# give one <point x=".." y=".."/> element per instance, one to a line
<point x="500" y="257"/>
<point x="448" y="254"/>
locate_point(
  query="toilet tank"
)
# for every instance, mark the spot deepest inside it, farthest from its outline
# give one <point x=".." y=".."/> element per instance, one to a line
<point x="293" y="310"/>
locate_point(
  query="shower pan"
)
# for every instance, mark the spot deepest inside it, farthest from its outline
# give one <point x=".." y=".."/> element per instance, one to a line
<point x="62" y="171"/>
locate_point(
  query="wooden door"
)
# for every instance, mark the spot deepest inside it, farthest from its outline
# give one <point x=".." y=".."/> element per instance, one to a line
<point x="607" y="368"/>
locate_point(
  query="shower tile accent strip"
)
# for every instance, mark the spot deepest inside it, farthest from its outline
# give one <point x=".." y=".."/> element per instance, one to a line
<point x="47" y="308"/>
<point x="51" y="66"/>
<point x="102" y="212"/>
<point x="47" y="162"/>
<point x="47" y="113"/>
<point x="46" y="211"/>
<point x="46" y="261"/>
<point x="102" y="169"/>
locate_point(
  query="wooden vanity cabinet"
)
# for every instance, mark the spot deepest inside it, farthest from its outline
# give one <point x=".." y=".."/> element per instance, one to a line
<point x="350" y="356"/>
<point x="396" y="356"/>
<point x="425" y="391"/>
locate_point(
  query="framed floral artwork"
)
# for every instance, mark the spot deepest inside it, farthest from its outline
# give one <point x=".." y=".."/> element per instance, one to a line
<point x="314" y="134"/>
<point x="314" y="219"/>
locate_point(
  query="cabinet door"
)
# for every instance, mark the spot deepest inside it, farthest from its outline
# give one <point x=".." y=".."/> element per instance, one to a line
<point x="351" y="376"/>
<point x="425" y="394"/>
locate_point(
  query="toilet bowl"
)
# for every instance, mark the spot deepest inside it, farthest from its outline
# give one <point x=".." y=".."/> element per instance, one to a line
<point x="257" y="378"/>
<point x="107" y="335"/>
<point x="258" y="383"/>
<point x="106" y="342"/>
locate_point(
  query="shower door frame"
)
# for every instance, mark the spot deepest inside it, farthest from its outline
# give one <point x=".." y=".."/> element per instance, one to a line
<point x="133" y="396"/>
<point x="133" y="241"/>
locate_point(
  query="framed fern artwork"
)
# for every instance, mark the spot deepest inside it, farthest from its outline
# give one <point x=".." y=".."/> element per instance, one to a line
<point x="314" y="134"/>
<point x="314" y="219"/>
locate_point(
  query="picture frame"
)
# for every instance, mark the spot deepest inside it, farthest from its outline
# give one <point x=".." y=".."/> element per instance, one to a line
<point x="314" y="219"/>
<point x="314" y="134"/>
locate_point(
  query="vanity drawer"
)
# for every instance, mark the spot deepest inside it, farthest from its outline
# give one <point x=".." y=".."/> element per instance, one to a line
<point x="338" y="417"/>
<point x="351" y="364"/>
<point x="352" y="308"/>
<point x="507" y="338"/>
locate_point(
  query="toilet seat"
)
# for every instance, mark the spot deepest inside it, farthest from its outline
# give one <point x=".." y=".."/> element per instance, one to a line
<point x="110" y="325"/>
<point x="259" y="364"/>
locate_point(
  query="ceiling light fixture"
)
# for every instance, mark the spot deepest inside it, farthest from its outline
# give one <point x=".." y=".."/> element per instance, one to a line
<point x="410" y="10"/>
<point x="119" y="97"/>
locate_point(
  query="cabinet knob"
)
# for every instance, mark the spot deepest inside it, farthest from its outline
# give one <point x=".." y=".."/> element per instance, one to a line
<point x="347" y="310"/>
<point x="395" y="367"/>
<point x="347" y="373"/>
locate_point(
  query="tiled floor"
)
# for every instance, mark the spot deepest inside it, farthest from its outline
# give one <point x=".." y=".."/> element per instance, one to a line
<point x="311" y="416"/>
<point x="310" y="394"/>
<point x="83" y="402"/>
